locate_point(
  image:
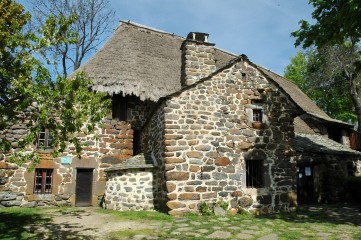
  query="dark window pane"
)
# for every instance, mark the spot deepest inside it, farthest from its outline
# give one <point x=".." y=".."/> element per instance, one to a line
<point x="43" y="181"/>
<point x="254" y="173"/>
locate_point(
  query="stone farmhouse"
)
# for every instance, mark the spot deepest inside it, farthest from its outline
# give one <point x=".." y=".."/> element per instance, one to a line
<point x="190" y="123"/>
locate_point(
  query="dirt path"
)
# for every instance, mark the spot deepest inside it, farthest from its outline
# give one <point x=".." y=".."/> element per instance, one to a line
<point x="85" y="223"/>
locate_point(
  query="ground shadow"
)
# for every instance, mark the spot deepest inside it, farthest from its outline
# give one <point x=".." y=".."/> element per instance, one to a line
<point x="17" y="225"/>
<point x="342" y="213"/>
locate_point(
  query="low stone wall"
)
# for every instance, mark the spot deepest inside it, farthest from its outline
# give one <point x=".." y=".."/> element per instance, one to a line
<point x="18" y="199"/>
<point x="129" y="189"/>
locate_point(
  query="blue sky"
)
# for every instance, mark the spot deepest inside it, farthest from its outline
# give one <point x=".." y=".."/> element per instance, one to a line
<point x="258" y="28"/>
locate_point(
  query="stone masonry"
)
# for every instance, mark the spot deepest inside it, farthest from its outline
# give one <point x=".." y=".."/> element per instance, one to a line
<point x="129" y="190"/>
<point x="112" y="138"/>
<point x="209" y="134"/>
<point x="198" y="58"/>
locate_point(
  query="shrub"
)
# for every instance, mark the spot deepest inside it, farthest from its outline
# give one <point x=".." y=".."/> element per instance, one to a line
<point x="206" y="208"/>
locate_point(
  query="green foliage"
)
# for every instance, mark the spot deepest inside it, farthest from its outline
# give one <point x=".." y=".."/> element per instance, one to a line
<point x="336" y="22"/>
<point x="30" y="95"/>
<point x="337" y="28"/>
<point x="320" y="77"/>
<point x="222" y="204"/>
<point x="206" y="208"/>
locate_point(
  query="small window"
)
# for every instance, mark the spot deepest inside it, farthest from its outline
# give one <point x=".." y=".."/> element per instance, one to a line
<point x="254" y="173"/>
<point x="119" y="108"/>
<point x="43" y="181"/>
<point x="257" y="115"/>
<point x="45" y="139"/>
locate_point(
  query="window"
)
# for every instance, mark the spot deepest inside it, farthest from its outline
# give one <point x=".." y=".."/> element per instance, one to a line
<point x="45" y="138"/>
<point x="43" y="181"/>
<point x="257" y="115"/>
<point x="254" y="173"/>
<point x="119" y="108"/>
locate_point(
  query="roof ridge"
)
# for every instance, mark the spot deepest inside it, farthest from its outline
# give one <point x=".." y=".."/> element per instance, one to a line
<point x="129" y="22"/>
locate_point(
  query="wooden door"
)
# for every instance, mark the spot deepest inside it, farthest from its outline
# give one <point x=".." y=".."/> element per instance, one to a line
<point x="84" y="186"/>
<point x="305" y="185"/>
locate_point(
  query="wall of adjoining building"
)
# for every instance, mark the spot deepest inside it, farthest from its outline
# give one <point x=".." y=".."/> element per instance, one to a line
<point x="330" y="174"/>
<point x="130" y="189"/>
<point x="111" y="138"/>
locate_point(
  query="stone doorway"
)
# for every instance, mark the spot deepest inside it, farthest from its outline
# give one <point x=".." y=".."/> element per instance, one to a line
<point x="305" y="184"/>
<point x="84" y="186"/>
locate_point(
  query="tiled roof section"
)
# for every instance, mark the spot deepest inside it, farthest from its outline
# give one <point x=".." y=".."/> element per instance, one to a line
<point x="302" y="127"/>
<point x="139" y="161"/>
<point x="313" y="143"/>
<point x="142" y="61"/>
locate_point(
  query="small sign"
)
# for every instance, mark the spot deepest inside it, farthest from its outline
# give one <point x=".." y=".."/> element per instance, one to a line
<point x="65" y="160"/>
<point x="308" y="171"/>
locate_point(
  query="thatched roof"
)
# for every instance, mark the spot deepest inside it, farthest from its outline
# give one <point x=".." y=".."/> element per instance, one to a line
<point x="142" y="61"/>
<point x="301" y="99"/>
<point x="147" y="62"/>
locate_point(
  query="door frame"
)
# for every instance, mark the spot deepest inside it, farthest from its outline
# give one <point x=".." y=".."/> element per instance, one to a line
<point x="91" y="173"/>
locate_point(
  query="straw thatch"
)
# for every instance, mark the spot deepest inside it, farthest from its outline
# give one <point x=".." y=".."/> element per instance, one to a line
<point x="146" y="62"/>
<point x="141" y="61"/>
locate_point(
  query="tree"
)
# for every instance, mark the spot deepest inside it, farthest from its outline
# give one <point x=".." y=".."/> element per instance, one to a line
<point x="338" y="23"/>
<point x="314" y="72"/>
<point x="95" y="18"/>
<point x="28" y="93"/>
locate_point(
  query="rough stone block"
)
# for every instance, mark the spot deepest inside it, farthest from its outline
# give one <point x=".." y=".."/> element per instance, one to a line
<point x="170" y="187"/>
<point x="194" y="154"/>
<point x="222" y="161"/>
<point x="189" y="196"/>
<point x="203" y="148"/>
<point x="245" y="202"/>
<point x="175" y="204"/>
<point x="193" y="168"/>
<point x="209" y="195"/>
<point x="177" y="176"/>
<point x="219" y="176"/>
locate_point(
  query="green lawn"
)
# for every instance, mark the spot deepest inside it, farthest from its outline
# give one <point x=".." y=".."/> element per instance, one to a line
<point x="331" y="222"/>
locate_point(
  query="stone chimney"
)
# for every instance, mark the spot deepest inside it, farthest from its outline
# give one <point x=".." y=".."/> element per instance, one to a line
<point x="198" y="58"/>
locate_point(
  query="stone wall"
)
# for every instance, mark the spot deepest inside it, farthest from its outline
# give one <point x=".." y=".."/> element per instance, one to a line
<point x="198" y="61"/>
<point x="111" y="138"/>
<point x="130" y="189"/>
<point x="209" y="134"/>
<point x="330" y="172"/>
<point x="153" y="142"/>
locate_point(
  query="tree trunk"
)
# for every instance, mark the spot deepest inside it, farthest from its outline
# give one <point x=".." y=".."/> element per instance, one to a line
<point x="355" y="91"/>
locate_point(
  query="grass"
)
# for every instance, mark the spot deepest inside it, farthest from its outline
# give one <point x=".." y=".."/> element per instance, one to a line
<point x="311" y="223"/>
<point x="138" y="215"/>
<point x="16" y="223"/>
